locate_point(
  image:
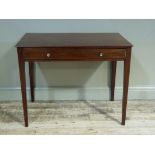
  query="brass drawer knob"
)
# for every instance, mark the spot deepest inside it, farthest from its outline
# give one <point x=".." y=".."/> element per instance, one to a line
<point x="48" y="55"/>
<point x="101" y="55"/>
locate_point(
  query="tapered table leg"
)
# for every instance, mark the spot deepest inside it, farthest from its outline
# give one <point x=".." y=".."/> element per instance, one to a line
<point x="32" y="80"/>
<point x="126" y="84"/>
<point x="113" y="77"/>
<point x="23" y="84"/>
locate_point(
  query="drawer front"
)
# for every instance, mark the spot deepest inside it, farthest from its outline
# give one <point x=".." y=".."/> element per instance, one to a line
<point x="37" y="53"/>
<point x="73" y="54"/>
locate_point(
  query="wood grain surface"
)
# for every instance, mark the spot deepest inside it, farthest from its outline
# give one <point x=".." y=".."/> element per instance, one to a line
<point x="73" y="40"/>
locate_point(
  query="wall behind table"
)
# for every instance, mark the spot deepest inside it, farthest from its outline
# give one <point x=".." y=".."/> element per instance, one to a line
<point x="79" y="80"/>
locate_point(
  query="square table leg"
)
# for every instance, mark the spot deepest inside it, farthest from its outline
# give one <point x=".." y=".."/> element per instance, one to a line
<point x="32" y="80"/>
<point x="23" y="84"/>
<point x="113" y="77"/>
<point x="126" y="84"/>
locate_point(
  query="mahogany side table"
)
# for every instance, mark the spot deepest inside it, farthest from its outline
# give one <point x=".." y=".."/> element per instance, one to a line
<point x="73" y="47"/>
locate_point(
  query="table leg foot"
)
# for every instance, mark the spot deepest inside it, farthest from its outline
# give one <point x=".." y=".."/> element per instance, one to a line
<point x="123" y="122"/>
<point x="26" y="124"/>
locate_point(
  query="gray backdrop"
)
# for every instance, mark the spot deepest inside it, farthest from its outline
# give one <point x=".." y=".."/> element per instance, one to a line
<point x="79" y="80"/>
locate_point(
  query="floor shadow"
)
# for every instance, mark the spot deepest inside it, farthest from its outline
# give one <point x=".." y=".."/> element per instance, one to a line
<point x="102" y="112"/>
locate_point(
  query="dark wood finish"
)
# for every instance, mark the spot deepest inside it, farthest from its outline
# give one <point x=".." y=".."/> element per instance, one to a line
<point x="32" y="80"/>
<point x="73" y="54"/>
<point x="23" y="84"/>
<point x="103" y="40"/>
<point x="74" y="47"/>
<point x="113" y="77"/>
<point x="126" y="84"/>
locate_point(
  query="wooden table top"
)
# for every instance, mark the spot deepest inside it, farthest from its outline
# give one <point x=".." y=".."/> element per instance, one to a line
<point x="106" y="40"/>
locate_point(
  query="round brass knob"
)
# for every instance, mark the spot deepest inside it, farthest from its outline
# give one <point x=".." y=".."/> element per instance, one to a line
<point x="101" y="54"/>
<point x="48" y="55"/>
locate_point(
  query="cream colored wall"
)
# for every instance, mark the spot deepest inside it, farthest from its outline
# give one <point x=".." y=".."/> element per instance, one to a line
<point x="76" y="77"/>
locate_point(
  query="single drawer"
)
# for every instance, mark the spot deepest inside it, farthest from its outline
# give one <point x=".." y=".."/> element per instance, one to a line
<point x="73" y="54"/>
<point x="37" y="53"/>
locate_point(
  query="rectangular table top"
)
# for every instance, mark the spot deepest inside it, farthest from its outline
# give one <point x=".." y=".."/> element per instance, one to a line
<point x="106" y="40"/>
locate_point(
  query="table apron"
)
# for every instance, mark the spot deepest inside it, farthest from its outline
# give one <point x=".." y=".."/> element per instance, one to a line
<point x="73" y="54"/>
